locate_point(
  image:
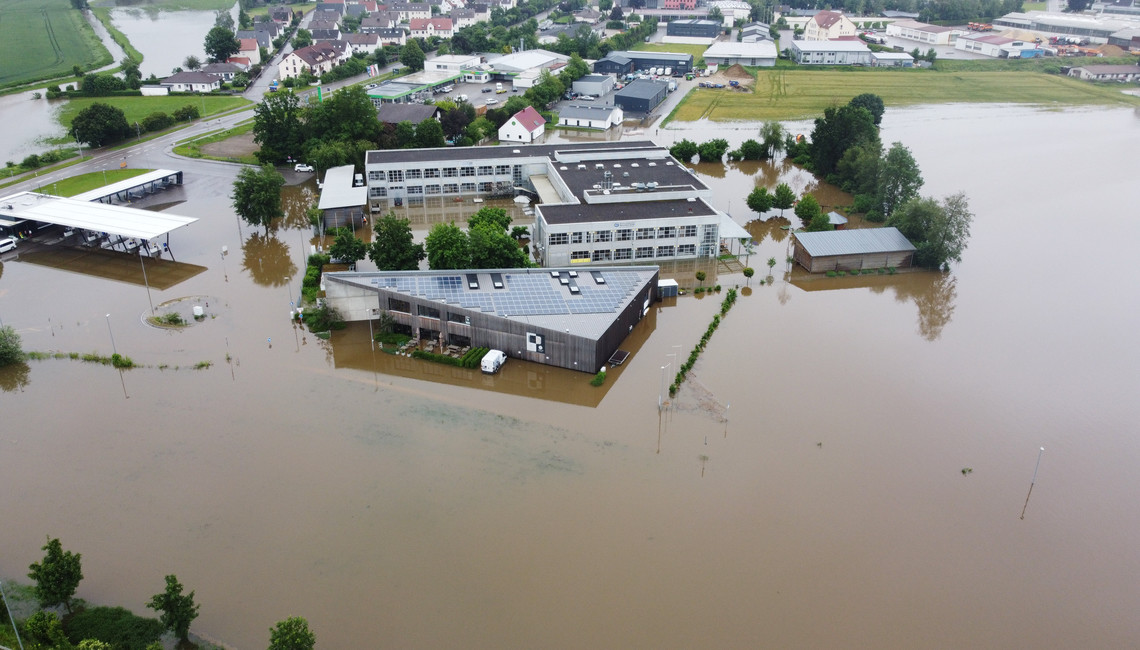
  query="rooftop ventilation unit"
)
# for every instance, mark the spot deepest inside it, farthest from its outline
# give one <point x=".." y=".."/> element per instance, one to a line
<point x="581" y="166"/>
<point x="516" y="150"/>
<point x="617" y="165"/>
<point x="636" y="165"/>
<point x="599" y="166"/>
<point x="668" y="162"/>
<point x="563" y="168"/>
<point x="652" y="164"/>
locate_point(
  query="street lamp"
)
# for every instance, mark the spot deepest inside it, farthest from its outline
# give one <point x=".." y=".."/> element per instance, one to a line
<point x="113" y="348"/>
<point x="661" y="391"/>
<point x="104" y="175"/>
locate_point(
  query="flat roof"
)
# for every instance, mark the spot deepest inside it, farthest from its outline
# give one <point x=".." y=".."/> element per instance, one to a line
<point x="648" y="54"/>
<point x="592" y="111"/>
<point x="338" y="191"/>
<point x="889" y="56"/>
<point x="853" y="242"/>
<point x="628" y="211"/>
<point x="643" y="89"/>
<point x="922" y="27"/>
<point x="504" y="151"/>
<point x="732" y="49"/>
<point x="529" y="295"/>
<point x="624" y="172"/>
<point x="124" y="185"/>
<point x="97" y="217"/>
<point x="830" y="46"/>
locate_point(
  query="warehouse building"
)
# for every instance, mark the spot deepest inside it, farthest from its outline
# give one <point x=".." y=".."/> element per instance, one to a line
<point x="594" y="85"/>
<point x="641" y="96"/>
<point x="620" y="63"/>
<point x="591" y="116"/>
<point x="694" y="28"/>
<point x="912" y="30"/>
<point x="757" y="53"/>
<point x="853" y="250"/>
<point x="830" y="53"/>
<point x="574" y="319"/>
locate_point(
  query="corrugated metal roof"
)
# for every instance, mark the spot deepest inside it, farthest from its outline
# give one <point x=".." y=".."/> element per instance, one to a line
<point x="853" y="242"/>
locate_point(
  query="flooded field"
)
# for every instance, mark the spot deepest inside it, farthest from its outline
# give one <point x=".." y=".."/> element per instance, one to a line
<point x="805" y="489"/>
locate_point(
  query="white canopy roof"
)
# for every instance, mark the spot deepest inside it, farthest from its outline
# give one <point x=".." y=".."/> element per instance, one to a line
<point x="97" y="217"/>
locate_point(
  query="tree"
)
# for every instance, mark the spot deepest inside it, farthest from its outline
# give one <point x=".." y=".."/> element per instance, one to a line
<point x="771" y="264"/>
<point x="131" y="74"/>
<point x="701" y="278"/>
<point x="303" y="38"/>
<point x="257" y="195"/>
<point x="192" y="62"/>
<point x="178" y="610"/>
<point x="221" y="44"/>
<point x="57" y="576"/>
<point x="446" y="246"/>
<point x="429" y="133"/>
<point x="939" y="231"/>
<point x="899" y="178"/>
<point x="348" y="248"/>
<point x="760" y="200"/>
<point x="784" y="198"/>
<point x="684" y="150"/>
<point x="772" y="135"/>
<point x="807" y="210"/>
<point x="100" y="124"/>
<point x="713" y="150"/>
<point x="222" y="18"/>
<point x="837" y="131"/>
<point x="749" y="272"/>
<point x="749" y="150"/>
<point x="94" y="644"/>
<point x="491" y="246"/>
<point x="45" y="630"/>
<point x="488" y="216"/>
<point x="454" y="122"/>
<point x="616" y="13"/>
<point x="872" y="102"/>
<point x="292" y="634"/>
<point x="347" y="116"/>
<point x="392" y="248"/>
<point x="715" y="14"/>
<point x="10" y="350"/>
<point x="412" y="55"/>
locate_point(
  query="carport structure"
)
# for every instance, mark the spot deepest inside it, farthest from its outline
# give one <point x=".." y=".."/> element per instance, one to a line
<point x="129" y="188"/>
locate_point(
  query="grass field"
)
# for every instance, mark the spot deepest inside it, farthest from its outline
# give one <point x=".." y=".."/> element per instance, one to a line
<point x="44" y="39"/>
<point x="136" y="108"/>
<point x="305" y="7"/>
<point x="795" y="94"/>
<point x="87" y="182"/>
<point x="698" y="51"/>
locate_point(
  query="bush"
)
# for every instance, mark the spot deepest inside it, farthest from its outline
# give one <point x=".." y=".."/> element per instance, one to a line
<point x="113" y="625"/>
<point x="187" y="113"/>
<point x="323" y="319"/>
<point x="10" y="350"/>
<point x="31" y="162"/>
<point x="831" y="274"/>
<point x="874" y="216"/>
<point x="157" y="121"/>
<point x="599" y="378"/>
<point x="864" y="203"/>
<point x="312" y="277"/>
<point x="173" y="318"/>
<point x="122" y="362"/>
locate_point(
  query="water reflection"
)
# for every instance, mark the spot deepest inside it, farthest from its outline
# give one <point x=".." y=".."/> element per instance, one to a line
<point x="14" y="377"/>
<point x="267" y="259"/>
<point x="932" y="292"/>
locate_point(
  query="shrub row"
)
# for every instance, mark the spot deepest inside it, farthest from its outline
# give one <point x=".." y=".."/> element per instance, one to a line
<point x="839" y="274"/>
<point x="683" y="371"/>
<point x="469" y="360"/>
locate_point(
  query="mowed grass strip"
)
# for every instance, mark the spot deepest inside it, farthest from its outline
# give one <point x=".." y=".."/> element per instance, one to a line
<point x="783" y="94"/>
<point x="44" y="39"/>
<point x="87" y="182"/>
<point x="137" y="108"/>
<point x="698" y="51"/>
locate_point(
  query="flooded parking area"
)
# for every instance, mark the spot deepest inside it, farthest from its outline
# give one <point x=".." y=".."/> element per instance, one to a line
<point x="804" y="489"/>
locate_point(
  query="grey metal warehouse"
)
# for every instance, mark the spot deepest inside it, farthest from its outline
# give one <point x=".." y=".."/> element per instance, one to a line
<point x="594" y="84"/>
<point x="566" y="318"/>
<point x="694" y="27"/>
<point x="641" y="96"/>
<point x="631" y="61"/>
<point x="847" y="250"/>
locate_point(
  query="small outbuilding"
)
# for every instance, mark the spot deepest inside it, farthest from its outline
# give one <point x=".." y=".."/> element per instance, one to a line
<point x="641" y="96"/>
<point x="342" y="202"/>
<point x="591" y="116"/>
<point x="524" y="126"/>
<point x="837" y="221"/>
<point x="594" y="84"/>
<point x="851" y="250"/>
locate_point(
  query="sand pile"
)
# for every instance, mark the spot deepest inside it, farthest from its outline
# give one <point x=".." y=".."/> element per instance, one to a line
<point x="735" y="73"/>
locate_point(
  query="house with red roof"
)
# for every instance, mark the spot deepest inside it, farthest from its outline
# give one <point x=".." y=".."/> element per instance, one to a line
<point x="524" y="126"/>
<point x="828" y="25"/>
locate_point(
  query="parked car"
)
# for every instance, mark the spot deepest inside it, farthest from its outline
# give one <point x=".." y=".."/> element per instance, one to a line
<point x="488" y="89"/>
<point x="492" y="361"/>
<point x="7" y="244"/>
<point x="587" y="98"/>
<point x="492" y="101"/>
<point x="302" y="167"/>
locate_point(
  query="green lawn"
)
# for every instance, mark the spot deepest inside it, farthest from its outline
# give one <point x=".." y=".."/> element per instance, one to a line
<point x="305" y="7"/>
<point x="87" y="182"/>
<point x="698" y="51"/>
<point x="44" y="39"/>
<point x="798" y="93"/>
<point x="136" y="108"/>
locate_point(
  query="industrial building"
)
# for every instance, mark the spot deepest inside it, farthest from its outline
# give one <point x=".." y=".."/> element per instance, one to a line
<point x="853" y="250"/>
<point x="892" y="60"/>
<point x="641" y="96"/>
<point x="998" y="46"/>
<point x="831" y="53"/>
<point x="695" y="28"/>
<point x="912" y="30"/>
<point x="757" y="53"/>
<point x="620" y="63"/>
<point x="574" y="319"/>
<point x="591" y="116"/>
<point x="594" y="85"/>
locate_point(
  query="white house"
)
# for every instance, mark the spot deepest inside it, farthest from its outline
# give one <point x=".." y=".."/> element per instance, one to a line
<point x="410" y="11"/>
<point x="756" y="53"/>
<point x="912" y="30"/>
<point x="192" y="82"/>
<point x="996" y="46"/>
<point x="828" y="25"/>
<point x="427" y="27"/>
<point x="317" y="58"/>
<point x="452" y="63"/>
<point x="524" y="126"/>
<point x="365" y="43"/>
<point x="831" y="53"/>
<point x="249" y="50"/>
<point x="591" y="116"/>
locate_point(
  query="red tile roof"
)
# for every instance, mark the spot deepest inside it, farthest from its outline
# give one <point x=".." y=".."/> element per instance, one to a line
<point x="529" y="118"/>
<point x="825" y="19"/>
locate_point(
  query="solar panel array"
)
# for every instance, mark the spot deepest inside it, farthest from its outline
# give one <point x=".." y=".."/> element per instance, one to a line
<point x="525" y="294"/>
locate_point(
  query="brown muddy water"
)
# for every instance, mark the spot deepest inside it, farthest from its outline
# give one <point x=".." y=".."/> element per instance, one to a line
<point x="805" y="490"/>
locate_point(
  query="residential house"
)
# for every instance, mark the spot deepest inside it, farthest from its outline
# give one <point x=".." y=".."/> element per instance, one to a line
<point x="428" y="27"/>
<point x="281" y="15"/>
<point x="332" y="7"/>
<point x="524" y="126"/>
<point x="411" y="10"/>
<point x="588" y="16"/>
<point x="461" y="18"/>
<point x="366" y="43"/>
<point x="262" y="37"/>
<point x="192" y="82"/>
<point x="828" y="25"/>
<point x="380" y="20"/>
<point x="317" y="58"/>
<point x="392" y="36"/>
<point x="323" y="25"/>
<point x="249" y="49"/>
<point x="224" y="71"/>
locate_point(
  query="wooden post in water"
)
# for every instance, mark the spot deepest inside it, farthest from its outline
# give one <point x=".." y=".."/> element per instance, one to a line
<point x="1032" y="482"/>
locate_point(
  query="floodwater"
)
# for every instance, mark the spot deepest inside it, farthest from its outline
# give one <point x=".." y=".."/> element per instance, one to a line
<point x="165" y="38"/>
<point x="805" y="489"/>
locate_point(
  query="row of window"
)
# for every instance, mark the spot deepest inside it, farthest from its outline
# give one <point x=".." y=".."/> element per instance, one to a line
<point x="623" y="234"/>
<point x="641" y="253"/>
<point x="420" y="190"/>
<point x="405" y="307"/>
<point x="399" y="175"/>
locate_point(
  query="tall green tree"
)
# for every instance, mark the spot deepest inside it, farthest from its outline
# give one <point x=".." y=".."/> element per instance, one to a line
<point x="346" y="115"/>
<point x="178" y="609"/>
<point x="783" y="198"/>
<point x="489" y="216"/>
<point x="939" y="231"/>
<point x="393" y="247"/>
<point x="257" y="195"/>
<point x="873" y="103"/>
<point x="712" y="150"/>
<point x="772" y="135"/>
<point x="429" y="133"/>
<point x="446" y="246"/>
<point x="10" y="349"/>
<point x="100" y="124"/>
<point x="292" y="634"/>
<point x="348" y="247"/>
<point x="221" y="44"/>
<point x="412" y="55"/>
<point x="899" y="178"/>
<point x="760" y="200"/>
<point x="749" y="150"/>
<point x="57" y="576"/>
<point x="684" y="150"/>
<point x="277" y="127"/>
<point x="837" y="131"/>
<point x="303" y="38"/>
<point x="488" y="242"/>
<point x="192" y="62"/>
<point x="808" y="211"/>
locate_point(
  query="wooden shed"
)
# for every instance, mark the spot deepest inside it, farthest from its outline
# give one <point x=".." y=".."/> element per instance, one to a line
<point x="847" y="250"/>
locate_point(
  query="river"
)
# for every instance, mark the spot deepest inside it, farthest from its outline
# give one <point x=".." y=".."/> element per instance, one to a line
<point x="805" y="490"/>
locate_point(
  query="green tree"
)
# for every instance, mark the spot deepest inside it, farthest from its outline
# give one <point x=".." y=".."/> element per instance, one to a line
<point x="488" y="216"/>
<point x="491" y="247"/>
<point x="292" y="634"/>
<point x="412" y="55"/>
<point x="257" y="195"/>
<point x="429" y="133"/>
<point x="713" y="150"/>
<point x="873" y="103"/>
<point x="700" y="275"/>
<point x="405" y="134"/>
<point x="277" y="127"/>
<point x="10" y="350"/>
<point x="784" y="198"/>
<point x="837" y="131"/>
<point x="347" y="115"/>
<point x="760" y="200"/>
<point x="348" y="248"/>
<point x="446" y="246"/>
<point x="771" y="264"/>
<point x="178" y="610"/>
<point x="808" y="210"/>
<point x="899" y="178"/>
<point x="44" y="630"/>
<point x="192" y="62"/>
<point x="303" y="38"/>
<point x="393" y="248"/>
<point x="684" y="150"/>
<point x="100" y="124"/>
<point x="57" y="576"/>
<point x="749" y="150"/>
<point x="939" y="231"/>
<point x="749" y="272"/>
<point x="94" y="644"/>
<point x="221" y="44"/>
<point x="772" y="137"/>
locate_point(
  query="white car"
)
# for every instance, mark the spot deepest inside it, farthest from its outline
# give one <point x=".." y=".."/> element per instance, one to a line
<point x="302" y="167"/>
<point x="492" y="101"/>
<point x="7" y="244"/>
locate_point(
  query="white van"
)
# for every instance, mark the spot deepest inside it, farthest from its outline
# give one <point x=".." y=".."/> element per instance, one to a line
<point x="9" y="243"/>
<point x="492" y="361"/>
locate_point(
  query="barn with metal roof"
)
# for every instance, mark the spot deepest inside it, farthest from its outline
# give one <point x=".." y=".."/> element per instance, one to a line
<point x="848" y="250"/>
